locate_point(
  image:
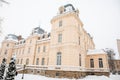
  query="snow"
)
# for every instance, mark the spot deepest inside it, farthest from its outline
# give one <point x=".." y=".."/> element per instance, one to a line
<point x="96" y="51"/>
<point x="90" y="77"/>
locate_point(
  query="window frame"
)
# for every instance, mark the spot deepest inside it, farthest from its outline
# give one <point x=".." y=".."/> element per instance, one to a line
<point x="60" y="23"/>
<point x="91" y="63"/>
<point x="37" y="61"/>
<point x="58" y="60"/>
<point x="100" y="62"/>
<point x="43" y="61"/>
<point x="60" y="38"/>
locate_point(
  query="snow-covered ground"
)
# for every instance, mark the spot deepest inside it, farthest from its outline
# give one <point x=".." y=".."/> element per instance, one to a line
<point x="38" y="77"/>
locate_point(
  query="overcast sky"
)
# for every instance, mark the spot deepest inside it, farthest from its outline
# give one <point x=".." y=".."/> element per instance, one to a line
<point x="101" y="18"/>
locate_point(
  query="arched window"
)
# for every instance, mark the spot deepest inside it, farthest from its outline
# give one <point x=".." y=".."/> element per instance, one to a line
<point x="43" y="61"/>
<point x="37" y="61"/>
<point x="92" y="63"/>
<point x="27" y="61"/>
<point x="100" y="63"/>
<point x="58" y="58"/>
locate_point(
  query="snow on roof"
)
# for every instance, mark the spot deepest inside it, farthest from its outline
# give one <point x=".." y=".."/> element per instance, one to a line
<point x="96" y="51"/>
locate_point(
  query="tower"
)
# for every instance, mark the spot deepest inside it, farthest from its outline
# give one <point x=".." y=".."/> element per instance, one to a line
<point x="7" y="47"/>
<point x="66" y="46"/>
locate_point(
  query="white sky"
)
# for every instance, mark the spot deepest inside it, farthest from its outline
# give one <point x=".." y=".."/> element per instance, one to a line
<point x="101" y="18"/>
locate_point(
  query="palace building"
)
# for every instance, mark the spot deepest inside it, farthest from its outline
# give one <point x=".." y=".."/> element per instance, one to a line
<point x="67" y="51"/>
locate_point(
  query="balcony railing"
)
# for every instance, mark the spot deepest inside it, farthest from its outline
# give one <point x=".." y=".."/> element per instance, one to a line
<point x="63" y="68"/>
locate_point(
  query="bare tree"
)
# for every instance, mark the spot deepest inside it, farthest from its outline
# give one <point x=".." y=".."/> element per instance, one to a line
<point x="4" y="1"/>
<point x="111" y="55"/>
<point x="1" y="2"/>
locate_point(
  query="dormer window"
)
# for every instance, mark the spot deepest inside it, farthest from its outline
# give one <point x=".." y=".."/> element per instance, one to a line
<point x="49" y="35"/>
<point x="69" y="8"/>
<point x="43" y="36"/>
<point x="61" y="12"/>
<point x="38" y="38"/>
<point x="7" y="45"/>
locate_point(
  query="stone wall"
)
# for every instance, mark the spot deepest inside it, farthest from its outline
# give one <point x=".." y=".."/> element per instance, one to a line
<point x="62" y="74"/>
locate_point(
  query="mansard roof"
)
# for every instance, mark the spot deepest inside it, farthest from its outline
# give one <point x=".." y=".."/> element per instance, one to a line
<point x="37" y="30"/>
<point x="69" y="5"/>
<point x="11" y="37"/>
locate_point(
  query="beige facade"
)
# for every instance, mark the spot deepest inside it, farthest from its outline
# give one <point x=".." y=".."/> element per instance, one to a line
<point x="98" y="57"/>
<point x="64" y="49"/>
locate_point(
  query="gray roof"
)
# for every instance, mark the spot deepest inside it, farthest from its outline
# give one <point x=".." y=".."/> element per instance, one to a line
<point x="11" y="37"/>
<point x="69" y="5"/>
<point x="38" y="30"/>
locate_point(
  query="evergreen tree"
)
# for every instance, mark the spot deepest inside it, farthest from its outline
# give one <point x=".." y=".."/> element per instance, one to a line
<point x="11" y="71"/>
<point x="2" y="68"/>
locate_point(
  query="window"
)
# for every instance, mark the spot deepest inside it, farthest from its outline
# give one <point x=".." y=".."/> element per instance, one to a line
<point x="49" y="35"/>
<point x="59" y="37"/>
<point x="43" y="36"/>
<point x="91" y="63"/>
<point x="20" y="42"/>
<point x="38" y="49"/>
<point x="38" y="38"/>
<point x="43" y="61"/>
<point x="37" y="61"/>
<point x="5" y="52"/>
<point x="100" y="63"/>
<point x="60" y="23"/>
<point x="27" y="61"/>
<point x="44" y="49"/>
<point x="21" y="61"/>
<point x="79" y="59"/>
<point x="57" y="74"/>
<point x="58" y="58"/>
<point x="24" y="41"/>
<point x="28" y="50"/>
<point x="7" y="45"/>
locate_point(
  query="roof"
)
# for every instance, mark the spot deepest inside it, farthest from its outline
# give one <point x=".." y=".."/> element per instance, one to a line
<point x="69" y="5"/>
<point x="96" y="51"/>
<point x="38" y="30"/>
<point x="11" y="37"/>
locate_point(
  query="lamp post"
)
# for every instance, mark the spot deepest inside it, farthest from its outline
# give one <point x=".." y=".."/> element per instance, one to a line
<point x="23" y="71"/>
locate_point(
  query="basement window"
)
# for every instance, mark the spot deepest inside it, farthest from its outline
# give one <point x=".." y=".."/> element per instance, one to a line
<point x="57" y="74"/>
